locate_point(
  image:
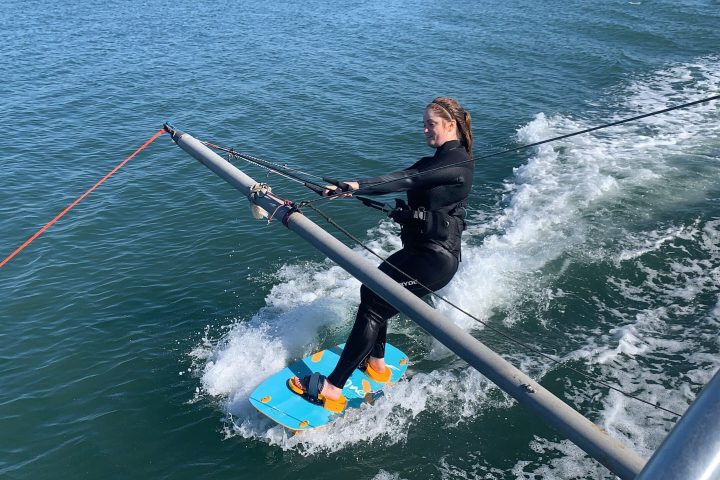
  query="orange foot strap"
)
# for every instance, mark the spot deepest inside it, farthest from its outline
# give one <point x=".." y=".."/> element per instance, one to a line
<point x="381" y="377"/>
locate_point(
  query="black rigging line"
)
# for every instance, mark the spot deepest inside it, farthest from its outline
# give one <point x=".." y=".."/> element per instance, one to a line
<point x="318" y="188"/>
<point x="282" y="170"/>
<point x="529" y="145"/>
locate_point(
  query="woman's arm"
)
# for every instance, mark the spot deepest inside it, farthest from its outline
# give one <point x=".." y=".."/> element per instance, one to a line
<point x="415" y="178"/>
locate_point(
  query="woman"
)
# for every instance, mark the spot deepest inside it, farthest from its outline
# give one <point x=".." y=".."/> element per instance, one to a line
<point x="431" y="222"/>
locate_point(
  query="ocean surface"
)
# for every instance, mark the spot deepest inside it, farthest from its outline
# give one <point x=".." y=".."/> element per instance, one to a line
<point x="134" y="329"/>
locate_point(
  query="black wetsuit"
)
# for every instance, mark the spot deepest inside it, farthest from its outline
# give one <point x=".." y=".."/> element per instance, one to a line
<point x="430" y="232"/>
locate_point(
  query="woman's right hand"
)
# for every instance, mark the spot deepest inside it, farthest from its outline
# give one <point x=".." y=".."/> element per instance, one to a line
<point x="331" y="190"/>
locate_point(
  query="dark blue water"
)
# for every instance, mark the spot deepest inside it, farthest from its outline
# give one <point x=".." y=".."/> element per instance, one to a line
<point x="132" y="331"/>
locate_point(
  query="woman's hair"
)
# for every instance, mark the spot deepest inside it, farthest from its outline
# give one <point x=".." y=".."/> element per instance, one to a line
<point x="449" y="109"/>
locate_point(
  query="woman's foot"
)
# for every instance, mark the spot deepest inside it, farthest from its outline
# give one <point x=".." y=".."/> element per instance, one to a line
<point x="328" y="391"/>
<point x="376" y="369"/>
<point x="377" y="364"/>
<point x="317" y="390"/>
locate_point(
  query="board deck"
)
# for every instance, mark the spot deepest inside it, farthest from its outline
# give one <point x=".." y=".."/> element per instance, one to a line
<point x="274" y="399"/>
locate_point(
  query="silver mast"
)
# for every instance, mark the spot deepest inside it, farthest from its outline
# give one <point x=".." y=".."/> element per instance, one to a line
<point x="621" y="460"/>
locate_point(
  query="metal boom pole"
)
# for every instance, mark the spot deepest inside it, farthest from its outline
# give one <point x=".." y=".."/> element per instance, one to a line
<point x="591" y="438"/>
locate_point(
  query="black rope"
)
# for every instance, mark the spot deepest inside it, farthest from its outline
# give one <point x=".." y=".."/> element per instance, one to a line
<point x="282" y="170"/>
<point x="319" y="188"/>
<point x="487" y="325"/>
<point x="535" y="144"/>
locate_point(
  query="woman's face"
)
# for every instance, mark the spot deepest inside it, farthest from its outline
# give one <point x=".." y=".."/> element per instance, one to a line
<point x="437" y="129"/>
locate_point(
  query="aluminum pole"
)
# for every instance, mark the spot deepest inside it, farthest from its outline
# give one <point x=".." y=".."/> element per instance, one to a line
<point x="591" y="438"/>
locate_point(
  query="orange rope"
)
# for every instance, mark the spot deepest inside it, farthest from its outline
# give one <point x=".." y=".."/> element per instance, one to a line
<point x="67" y="209"/>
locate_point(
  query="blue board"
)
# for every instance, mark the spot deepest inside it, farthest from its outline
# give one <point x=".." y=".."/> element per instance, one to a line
<point x="274" y="399"/>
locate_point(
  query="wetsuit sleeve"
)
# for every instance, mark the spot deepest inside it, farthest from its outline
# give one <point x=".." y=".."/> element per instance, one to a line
<point x="414" y="177"/>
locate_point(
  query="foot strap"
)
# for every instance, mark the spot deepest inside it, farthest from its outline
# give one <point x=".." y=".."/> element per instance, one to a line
<point x="383" y="377"/>
<point x="312" y="385"/>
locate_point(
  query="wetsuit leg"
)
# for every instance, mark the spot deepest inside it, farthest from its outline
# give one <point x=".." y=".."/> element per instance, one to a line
<point x="431" y="268"/>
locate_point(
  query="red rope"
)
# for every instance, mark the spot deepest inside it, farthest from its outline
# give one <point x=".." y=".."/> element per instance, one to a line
<point x="79" y="199"/>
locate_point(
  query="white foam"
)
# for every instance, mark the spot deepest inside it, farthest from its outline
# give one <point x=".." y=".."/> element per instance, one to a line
<point x="456" y="396"/>
<point x="652" y="243"/>
<point x="384" y="475"/>
<point x="572" y="462"/>
<point x="534" y="229"/>
<point x="635" y="353"/>
<point x="716" y="311"/>
<point x="636" y="346"/>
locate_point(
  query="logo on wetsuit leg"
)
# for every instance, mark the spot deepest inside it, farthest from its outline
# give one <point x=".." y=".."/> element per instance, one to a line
<point x="409" y="283"/>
